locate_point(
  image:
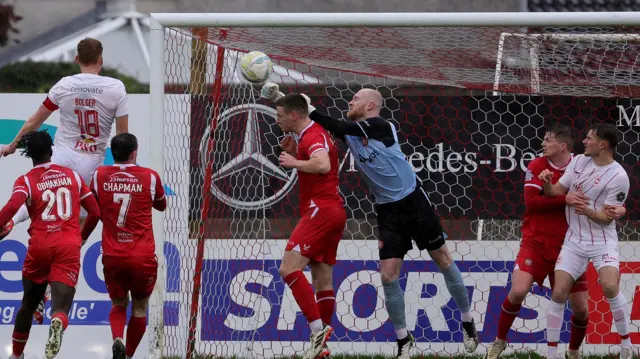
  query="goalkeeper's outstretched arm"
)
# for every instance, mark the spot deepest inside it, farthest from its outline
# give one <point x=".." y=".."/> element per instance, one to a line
<point x="370" y="129"/>
<point x="337" y="127"/>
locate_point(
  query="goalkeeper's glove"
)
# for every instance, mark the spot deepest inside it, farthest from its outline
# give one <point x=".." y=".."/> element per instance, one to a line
<point x="271" y="91"/>
<point x="311" y="108"/>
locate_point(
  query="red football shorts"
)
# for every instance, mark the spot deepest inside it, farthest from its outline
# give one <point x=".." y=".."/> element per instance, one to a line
<point x="53" y="264"/>
<point x="130" y="274"/>
<point x="318" y="234"/>
<point x="531" y="260"/>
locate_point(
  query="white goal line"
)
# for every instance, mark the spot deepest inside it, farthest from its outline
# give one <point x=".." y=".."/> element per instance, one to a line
<point x="533" y="50"/>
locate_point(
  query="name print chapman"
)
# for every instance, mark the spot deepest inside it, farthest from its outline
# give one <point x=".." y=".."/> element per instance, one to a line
<point x="122" y="184"/>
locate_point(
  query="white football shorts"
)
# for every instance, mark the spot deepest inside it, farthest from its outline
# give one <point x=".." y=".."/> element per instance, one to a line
<point x="84" y="166"/>
<point x="574" y="257"/>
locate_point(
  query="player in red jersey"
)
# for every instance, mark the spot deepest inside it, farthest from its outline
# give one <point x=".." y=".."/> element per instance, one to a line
<point x="127" y="194"/>
<point x="315" y="239"/>
<point x="53" y="195"/>
<point x="543" y="231"/>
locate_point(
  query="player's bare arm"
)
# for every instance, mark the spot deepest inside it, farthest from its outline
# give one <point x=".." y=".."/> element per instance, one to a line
<point x="551" y="189"/>
<point x="122" y="124"/>
<point x="89" y="225"/>
<point x="90" y="204"/>
<point x="319" y="162"/>
<point x="32" y="124"/>
<point x="599" y="217"/>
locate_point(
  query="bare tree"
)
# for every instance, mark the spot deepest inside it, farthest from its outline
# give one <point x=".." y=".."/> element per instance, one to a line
<point x="8" y="19"/>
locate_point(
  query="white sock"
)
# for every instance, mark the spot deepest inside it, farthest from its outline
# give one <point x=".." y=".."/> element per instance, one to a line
<point x="22" y="215"/>
<point x="621" y="318"/>
<point x="316" y="326"/>
<point x="466" y="317"/>
<point x="555" y="313"/>
<point x="402" y="333"/>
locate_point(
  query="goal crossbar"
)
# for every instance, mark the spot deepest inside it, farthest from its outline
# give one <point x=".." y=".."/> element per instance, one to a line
<point x="395" y="19"/>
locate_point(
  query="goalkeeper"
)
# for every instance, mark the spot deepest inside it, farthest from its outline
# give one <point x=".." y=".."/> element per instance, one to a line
<point x="403" y="209"/>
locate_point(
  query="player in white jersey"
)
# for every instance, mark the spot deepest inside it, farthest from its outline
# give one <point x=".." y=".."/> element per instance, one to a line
<point x="88" y="104"/>
<point x="599" y="182"/>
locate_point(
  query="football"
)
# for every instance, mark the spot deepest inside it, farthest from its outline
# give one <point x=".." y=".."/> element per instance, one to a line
<point x="256" y="67"/>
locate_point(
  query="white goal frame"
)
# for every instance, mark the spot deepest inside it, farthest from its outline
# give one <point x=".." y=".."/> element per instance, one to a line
<point x="160" y="21"/>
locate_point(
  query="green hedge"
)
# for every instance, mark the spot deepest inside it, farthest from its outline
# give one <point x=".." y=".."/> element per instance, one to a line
<point x="39" y="77"/>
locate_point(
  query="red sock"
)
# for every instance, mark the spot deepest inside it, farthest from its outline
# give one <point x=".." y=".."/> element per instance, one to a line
<point x="326" y="301"/>
<point x="19" y="342"/>
<point x="303" y="293"/>
<point x="117" y="320"/>
<point x="63" y="317"/>
<point x="135" y="332"/>
<point x="578" y="331"/>
<point x="508" y="314"/>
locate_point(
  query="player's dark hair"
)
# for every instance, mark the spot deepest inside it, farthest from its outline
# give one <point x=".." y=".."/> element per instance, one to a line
<point x="606" y="132"/>
<point x="89" y="51"/>
<point x="122" y="146"/>
<point x="294" y="102"/>
<point x="37" y="145"/>
<point x="564" y="134"/>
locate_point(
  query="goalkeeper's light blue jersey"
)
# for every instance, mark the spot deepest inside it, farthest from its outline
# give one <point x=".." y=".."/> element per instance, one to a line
<point x="388" y="175"/>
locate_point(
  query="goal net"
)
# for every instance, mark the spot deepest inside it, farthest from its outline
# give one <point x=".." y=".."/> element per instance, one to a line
<point x="470" y="105"/>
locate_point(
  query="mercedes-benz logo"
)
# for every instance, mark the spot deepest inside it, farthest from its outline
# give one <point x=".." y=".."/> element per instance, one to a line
<point x="249" y="157"/>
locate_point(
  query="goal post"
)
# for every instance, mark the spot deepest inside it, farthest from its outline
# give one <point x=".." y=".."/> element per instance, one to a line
<point x="470" y="95"/>
<point x="155" y="323"/>
<point x="532" y="42"/>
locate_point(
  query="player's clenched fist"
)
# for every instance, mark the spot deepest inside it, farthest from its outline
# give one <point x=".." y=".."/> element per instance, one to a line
<point x="4" y="231"/>
<point x="545" y="176"/>
<point x="614" y="212"/>
<point x="7" y="150"/>
<point x="288" y="144"/>
<point x="286" y="160"/>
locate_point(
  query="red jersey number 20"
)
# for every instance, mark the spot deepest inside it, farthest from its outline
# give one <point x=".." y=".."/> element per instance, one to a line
<point x="58" y="204"/>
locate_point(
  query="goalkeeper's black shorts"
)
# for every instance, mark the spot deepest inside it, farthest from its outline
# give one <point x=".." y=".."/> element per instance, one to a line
<point x="411" y="218"/>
